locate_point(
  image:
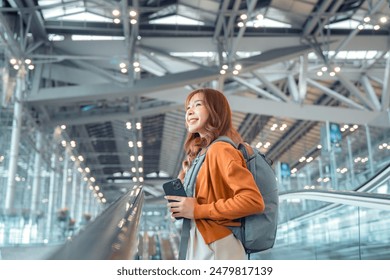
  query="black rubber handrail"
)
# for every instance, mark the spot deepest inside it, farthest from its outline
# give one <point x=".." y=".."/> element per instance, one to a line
<point x="112" y="235"/>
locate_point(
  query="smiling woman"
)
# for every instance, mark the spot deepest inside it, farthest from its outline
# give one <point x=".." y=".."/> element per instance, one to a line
<point x="224" y="189"/>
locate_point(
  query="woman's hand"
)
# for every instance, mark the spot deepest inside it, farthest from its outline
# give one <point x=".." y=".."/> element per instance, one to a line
<point x="182" y="207"/>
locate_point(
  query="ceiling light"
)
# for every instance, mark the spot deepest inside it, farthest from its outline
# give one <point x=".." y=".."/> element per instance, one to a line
<point x="377" y="27"/>
<point x="360" y="27"/>
<point x="133" y="13"/>
<point x="117" y="20"/>
<point x="240" y="24"/>
<point x="383" y="19"/>
<point x="367" y="19"/>
<point x="116" y="12"/>
<point x="222" y="72"/>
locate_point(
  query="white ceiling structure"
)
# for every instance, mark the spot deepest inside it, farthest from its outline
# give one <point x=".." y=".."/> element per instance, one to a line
<point x="287" y="67"/>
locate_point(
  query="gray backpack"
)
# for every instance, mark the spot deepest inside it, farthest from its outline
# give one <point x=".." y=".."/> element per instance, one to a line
<point x="257" y="232"/>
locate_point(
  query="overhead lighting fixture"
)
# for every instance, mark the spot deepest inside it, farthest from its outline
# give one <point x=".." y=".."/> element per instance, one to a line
<point x="133" y="13"/>
<point x="116" y="12"/>
<point x="383" y="19"/>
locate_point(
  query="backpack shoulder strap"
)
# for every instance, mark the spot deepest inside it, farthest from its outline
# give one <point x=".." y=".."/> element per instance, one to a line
<point x="227" y="140"/>
<point x="246" y="150"/>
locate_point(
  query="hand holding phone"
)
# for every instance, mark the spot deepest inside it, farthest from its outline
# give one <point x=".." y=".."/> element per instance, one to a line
<point x="176" y="188"/>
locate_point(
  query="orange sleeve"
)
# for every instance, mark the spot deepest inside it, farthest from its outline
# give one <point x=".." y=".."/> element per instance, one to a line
<point x="231" y="185"/>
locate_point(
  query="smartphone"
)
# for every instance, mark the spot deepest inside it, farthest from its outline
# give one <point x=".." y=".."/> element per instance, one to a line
<point x="174" y="187"/>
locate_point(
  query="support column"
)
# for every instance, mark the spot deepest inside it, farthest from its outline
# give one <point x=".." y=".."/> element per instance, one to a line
<point x="65" y="178"/>
<point x="37" y="178"/>
<point x="15" y="138"/>
<point x="369" y="150"/>
<point x="51" y="202"/>
<point x="81" y="205"/>
<point x="73" y="201"/>
<point x="350" y="163"/>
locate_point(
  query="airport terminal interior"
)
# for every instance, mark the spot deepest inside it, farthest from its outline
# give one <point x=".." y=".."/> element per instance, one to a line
<point x="92" y="120"/>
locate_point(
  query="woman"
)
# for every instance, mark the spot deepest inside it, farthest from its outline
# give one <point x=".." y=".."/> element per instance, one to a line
<point x="225" y="189"/>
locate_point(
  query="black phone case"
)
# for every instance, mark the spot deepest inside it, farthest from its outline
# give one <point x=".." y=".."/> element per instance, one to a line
<point x="174" y="187"/>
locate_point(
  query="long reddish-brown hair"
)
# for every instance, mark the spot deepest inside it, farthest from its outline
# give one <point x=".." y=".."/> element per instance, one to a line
<point x="219" y="123"/>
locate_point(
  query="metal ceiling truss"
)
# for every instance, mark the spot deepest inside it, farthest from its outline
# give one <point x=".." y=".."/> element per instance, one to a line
<point x="278" y="84"/>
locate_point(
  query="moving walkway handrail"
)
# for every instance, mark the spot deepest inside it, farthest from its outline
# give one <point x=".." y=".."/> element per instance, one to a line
<point x="360" y="199"/>
<point x="379" y="178"/>
<point x="112" y="235"/>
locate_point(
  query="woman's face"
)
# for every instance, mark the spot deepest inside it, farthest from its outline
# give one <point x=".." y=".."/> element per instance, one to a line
<point x="196" y="114"/>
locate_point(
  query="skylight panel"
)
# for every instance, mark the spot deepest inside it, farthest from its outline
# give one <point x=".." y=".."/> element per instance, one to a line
<point x="266" y="22"/>
<point x="176" y="20"/>
<point x="55" y="37"/>
<point x="86" y="16"/>
<point x="95" y="38"/>
<point x="345" y="24"/>
<point x="192" y="54"/>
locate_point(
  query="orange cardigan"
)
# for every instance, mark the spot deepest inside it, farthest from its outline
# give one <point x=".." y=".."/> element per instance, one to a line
<point x="225" y="190"/>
